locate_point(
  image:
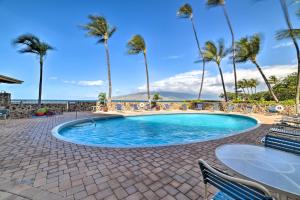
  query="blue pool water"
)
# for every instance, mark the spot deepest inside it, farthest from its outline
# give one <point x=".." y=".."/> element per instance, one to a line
<point x="156" y="130"/>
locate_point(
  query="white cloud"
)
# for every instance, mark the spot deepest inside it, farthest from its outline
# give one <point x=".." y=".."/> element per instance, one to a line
<point x="173" y="57"/>
<point x="91" y="83"/>
<point x="86" y="83"/>
<point x="282" y="45"/>
<point x="53" y="78"/>
<point x="189" y="82"/>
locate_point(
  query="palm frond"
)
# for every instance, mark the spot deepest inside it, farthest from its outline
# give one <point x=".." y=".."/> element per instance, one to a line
<point x="285" y="34"/>
<point x="214" y="3"/>
<point x="32" y="44"/>
<point x="185" y="11"/>
<point x="98" y="27"/>
<point x="136" y="45"/>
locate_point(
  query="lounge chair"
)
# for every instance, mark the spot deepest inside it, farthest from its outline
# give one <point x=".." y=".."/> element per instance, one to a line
<point x="199" y="106"/>
<point x="281" y="143"/>
<point x="166" y="106"/>
<point x="135" y="107"/>
<point x="4" y="113"/>
<point x="249" y="109"/>
<point x="119" y="107"/>
<point x="184" y="107"/>
<point x="284" y="131"/>
<point x="231" y="188"/>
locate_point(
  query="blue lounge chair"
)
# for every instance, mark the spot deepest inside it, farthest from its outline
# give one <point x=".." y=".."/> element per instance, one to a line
<point x="283" y="144"/>
<point x="231" y="188"/>
<point x="135" y="107"/>
<point x="184" y="107"/>
<point x="284" y="131"/>
<point x="199" y="106"/>
<point x="119" y="107"/>
<point x="4" y="113"/>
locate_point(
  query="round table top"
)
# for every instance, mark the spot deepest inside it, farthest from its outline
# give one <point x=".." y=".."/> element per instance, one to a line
<point x="277" y="169"/>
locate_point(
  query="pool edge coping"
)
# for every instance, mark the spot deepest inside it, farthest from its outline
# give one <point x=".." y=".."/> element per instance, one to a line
<point x="56" y="129"/>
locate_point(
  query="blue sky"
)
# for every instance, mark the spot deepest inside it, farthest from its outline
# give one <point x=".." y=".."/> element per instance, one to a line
<point x="77" y="68"/>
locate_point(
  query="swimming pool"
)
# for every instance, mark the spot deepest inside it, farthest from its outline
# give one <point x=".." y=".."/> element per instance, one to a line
<point x="153" y="130"/>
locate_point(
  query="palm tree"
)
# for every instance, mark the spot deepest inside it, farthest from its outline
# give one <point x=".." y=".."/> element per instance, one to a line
<point x="34" y="45"/>
<point x="98" y="27"/>
<point x="254" y="83"/>
<point x="292" y="33"/>
<point x="186" y="12"/>
<point x="247" y="85"/>
<point x="213" y="53"/>
<point x="273" y="80"/>
<point x="247" y="50"/>
<point x="241" y="85"/>
<point x="214" y="3"/>
<point x="137" y="45"/>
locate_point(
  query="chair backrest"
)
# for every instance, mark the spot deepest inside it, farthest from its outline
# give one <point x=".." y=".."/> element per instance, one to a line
<point x="118" y="106"/>
<point x="233" y="187"/>
<point x="135" y="107"/>
<point x="184" y="107"/>
<point x="282" y="143"/>
<point x="230" y="107"/>
<point x="199" y="106"/>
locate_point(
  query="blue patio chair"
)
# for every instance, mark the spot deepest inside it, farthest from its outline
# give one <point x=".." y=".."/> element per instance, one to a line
<point x="281" y="143"/>
<point x="4" y="113"/>
<point x="284" y="131"/>
<point x="231" y="188"/>
<point x="135" y="107"/>
<point x="199" y="106"/>
<point x="184" y="107"/>
<point x="119" y="107"/>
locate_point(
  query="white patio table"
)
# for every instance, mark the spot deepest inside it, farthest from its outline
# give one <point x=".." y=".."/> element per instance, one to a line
<point x="275" y="169"/>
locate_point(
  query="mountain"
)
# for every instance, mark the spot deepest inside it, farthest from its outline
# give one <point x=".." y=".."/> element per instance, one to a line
<point x="164" y="94"/>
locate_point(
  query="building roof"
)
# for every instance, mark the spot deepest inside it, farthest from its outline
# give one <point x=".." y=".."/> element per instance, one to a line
<point x="6" y="79"/>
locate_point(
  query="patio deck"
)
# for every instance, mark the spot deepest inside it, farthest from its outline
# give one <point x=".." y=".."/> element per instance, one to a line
<point x="35" y="165"/>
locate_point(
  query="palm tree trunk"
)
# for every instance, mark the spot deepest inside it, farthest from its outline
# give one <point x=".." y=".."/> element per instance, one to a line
<point x="233" y="50"/>
<point x="147" y="76"/>
<point x="40" y="82"/>
<point x="266" y="81"/>
<point x="108" y="71"/>
<point x="223" y="83"/>
<point x="201" y="55"/>
<point x="289" y="24"/>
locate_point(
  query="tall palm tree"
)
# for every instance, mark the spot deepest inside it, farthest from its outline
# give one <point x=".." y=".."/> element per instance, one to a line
<point x="241" y="85"/>
<point x="34" y="45"/>
<point x="215" y="53"/>
<point x="293" y="34"/>
<point x="98" y="27"/>
<point x="186" y="12"/>
<point x="247" y="85"/>
<point x="247" y="50"/>
<point x="254" y="83"/>
<point x="137" y="45"/>
<point x="214" y="3"/>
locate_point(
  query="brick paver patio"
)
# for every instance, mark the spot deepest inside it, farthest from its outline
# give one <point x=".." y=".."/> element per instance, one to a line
<point x="35" y="165"/>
